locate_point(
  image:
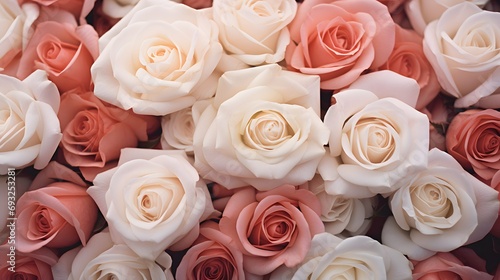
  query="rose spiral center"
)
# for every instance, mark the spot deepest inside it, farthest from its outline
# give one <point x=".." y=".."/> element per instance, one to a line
<point x="214" y="269"/>
<point x="266" y="130"/>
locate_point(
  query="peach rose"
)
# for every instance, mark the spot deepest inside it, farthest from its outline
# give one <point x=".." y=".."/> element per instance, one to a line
<point x="78" y="8"/>
<point x="408" y="59"/>
<point x="272" y="228"/>
<point x="473" y="138"/>
<point x="94" y="132"/>
<point x="446" y="266"/>
<point x="338" y="40"/>
<point x="64" y="50"/>
<point x="51" y="214"/>
<point x="33" y="265"/>
<point x="213" y="256"/>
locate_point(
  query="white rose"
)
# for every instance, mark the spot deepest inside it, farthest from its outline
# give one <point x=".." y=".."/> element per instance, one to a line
<point x="358" y="257"/>
<point x="119" y="8"/>
<point x="262" y="129"/>
<point x="441" y="209"/>
<point x="422" y="12"/>
<point x="463" y="48"/>
<point x="158" y="59"/>
<point x="254" y="31"/>
<point x="376" y="140"/>
<point x="162" y="205"/>
<point x="102" y="259"/>
<point x="29" y="126"/>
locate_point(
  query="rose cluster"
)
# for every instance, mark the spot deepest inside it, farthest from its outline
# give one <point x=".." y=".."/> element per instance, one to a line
<point x="250" y="139"/>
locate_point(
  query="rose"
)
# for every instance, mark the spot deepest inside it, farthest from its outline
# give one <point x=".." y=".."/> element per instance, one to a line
<point x="103" y="259"/>
<point x="94" y="132"/>
<point x="275" y="136"/>
<point x="338" y="40"/>
<point x="408" y="59"/>
<point x="441" y="209"/>
<point x="28" y="121"/>
<point x="33" y="265"/>
<point x="473" y="139"/>
<point x="64" y="50"/>
<point x="255" y="32"/>
<point x="162" y="205"/>
<point x="422" y="12"/>
<point x="271" y="228"/>
<point x="50" y="213"/>
<point x="376" y="140"/>
<point x="166" y="68"/>
<point x="212" y="256"/>
<point x="461" y="48"/>
<point x="444" y="265"/>
<point x="358" y="257"/>
<point x="78" y="8"/>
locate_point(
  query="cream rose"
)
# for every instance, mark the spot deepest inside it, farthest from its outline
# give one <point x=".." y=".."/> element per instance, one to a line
<point x="167" y="64"/>
<point x="28" y="121"/>
<point x="255" y="32"/>
<point x="262" y="129"/>
<point x="162" y="206"/>
<point x="441" y="209"/>
<point x="463" y="47"/>
<point x="376" y="141"/>
<point x="358" y="257"/>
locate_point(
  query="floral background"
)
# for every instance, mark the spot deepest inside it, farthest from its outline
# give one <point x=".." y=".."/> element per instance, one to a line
<point x="249" y="139"/>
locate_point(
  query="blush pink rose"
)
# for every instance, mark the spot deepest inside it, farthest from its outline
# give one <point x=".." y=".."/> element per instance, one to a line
<point x="64" y="50"/>
<point x="94" y="132"/>
<point x="339" y="40"/>
<point x="272" y="228"/>
<point x="446" y="266"/>
<point x="473" y="139"/>
<point x="56" y="212"/>
<point x="408" y="59"/>
<point x="78" y="8"/>
<point x="33" y="265"/>
<point x="212" y="256"/>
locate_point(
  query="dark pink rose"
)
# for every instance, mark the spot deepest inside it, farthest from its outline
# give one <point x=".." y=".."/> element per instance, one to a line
<point x="57" y="214"/>
<point x="94" y="132"/>
<point x="33" y="265"/>
<point x="473" y="139"/>
<point x="272" y="228"/>
<point x="446" y="266"/>
<point x="198" y="4"/>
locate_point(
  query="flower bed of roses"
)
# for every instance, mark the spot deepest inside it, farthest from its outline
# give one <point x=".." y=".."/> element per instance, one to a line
<point x="241" y="139"/>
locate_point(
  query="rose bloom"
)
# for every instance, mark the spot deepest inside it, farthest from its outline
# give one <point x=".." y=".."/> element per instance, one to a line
<point x="166" y="67"/>
<point x="338" y="40"/>
<point x="102" y="259"/>
<point x="254" y="32"/>
<point x="162" y="206"/>
<point x="473" y="139"/>
<point x="272" y="228"/>
<point x="441" y="209"/>
<point x="50" y="213"/>
<point x="94" y="132"/>
<point x="446" y="266"/>
<point x="212" y="256"/>
<point x="408" y="59"/>
<point x="358" y="257"/>
<point x="28" y="122"/>
<point x="78" y="8"/>
<point x="463" y="48"/>
<point x="64" y="50"/>
<point x="377" y="138"/>
<point x="33" y="265"/>
<point x="422" y="12"/>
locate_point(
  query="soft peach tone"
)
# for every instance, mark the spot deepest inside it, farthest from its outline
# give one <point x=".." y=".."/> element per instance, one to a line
<point x="64" y="50"/>
<point x="446" y="266"/>
<point x="473" y="139"/>
<point x="212" y="256"/>
<point x="52" y="215"/>
<point x="78" y="8"/>
<point x="272" y="228"/>
<point x="33" y="265"/>
<point x="94" y="132"/>
<point x="408" y="59"/>
<point x="338" y="40"/>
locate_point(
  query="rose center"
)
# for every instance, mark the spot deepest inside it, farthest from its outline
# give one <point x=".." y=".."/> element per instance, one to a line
<point x="214" y="268"/>
<point x="373" y="141"/>
<point x="54" y="53"/>
<point x="488" y="142"/>
<point x="161" y="58"/>
<point x="274" y="230"/>
<point x="266" y="130"/>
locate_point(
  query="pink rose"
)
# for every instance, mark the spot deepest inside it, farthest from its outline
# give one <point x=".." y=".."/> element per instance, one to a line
<point x="473" y="138"/>
<point x="94" y="132"/>
<point x="64" y="50"/>
<point x="272" y="228"/>
<point x="56" y="212"/>
<point x="78" y="8"/>
<point x="213" y="256"/>
<point x="446" y="266"/>
<point x="408" y="59"/>
<point x="338" y="40"/>
<point x="33" y="265"/>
